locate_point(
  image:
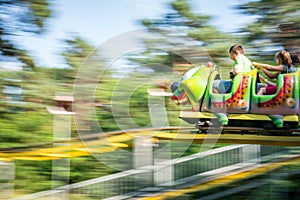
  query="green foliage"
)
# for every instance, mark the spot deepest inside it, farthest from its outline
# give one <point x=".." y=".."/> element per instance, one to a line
<point x="25" y="128"/>
<point x="78" y="50"/>
<point x="39" y="9"/>
<point x="85" y="168"/>
<point x="196" y="26"/>
<point x="276" y="24"/>
<point x="31" y="177"/>
<point x="184" y="10"/>
<point x="207" y="34"/>
<point x="25" y="16"/>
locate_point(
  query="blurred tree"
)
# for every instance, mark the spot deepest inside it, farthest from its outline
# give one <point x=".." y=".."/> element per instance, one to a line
<point x="276" y="25"/>
<point x="181" y="21"/>
<point x="17" y="17"/>
<point x="75" y="53"/>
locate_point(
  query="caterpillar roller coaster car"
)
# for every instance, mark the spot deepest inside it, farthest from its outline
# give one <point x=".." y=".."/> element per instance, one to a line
<point x="242" y="106"/>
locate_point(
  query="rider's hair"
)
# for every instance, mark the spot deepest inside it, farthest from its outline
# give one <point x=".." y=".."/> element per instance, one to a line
<point x="236" y="48"/>
<point x="284" y="57"/>
<point x="295" y="59"/>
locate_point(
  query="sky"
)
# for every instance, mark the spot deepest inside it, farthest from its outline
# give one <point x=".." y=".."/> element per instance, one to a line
<point x="99" y="20"/>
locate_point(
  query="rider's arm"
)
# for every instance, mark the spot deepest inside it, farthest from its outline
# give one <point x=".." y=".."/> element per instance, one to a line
<point x="267" y="66"/>
<point x="269" y="74"/>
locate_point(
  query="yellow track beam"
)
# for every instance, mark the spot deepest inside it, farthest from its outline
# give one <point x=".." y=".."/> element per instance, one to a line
<point x="111" y="142"/>
<point x="232" y="139"/>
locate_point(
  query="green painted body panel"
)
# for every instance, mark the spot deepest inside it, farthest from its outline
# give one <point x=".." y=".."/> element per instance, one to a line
<point x="195" y="86"/>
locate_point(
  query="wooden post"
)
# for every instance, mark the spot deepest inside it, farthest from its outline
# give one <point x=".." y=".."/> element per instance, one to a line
<point x="62" y="120"/>
<point x="251" y="154"/>
<point x="143" y="156"/>
<point x="164" y="175"/>
<point x="7" y="176"/>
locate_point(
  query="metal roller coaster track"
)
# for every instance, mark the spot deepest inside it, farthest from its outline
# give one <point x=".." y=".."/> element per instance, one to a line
<point x="110" y="141"/>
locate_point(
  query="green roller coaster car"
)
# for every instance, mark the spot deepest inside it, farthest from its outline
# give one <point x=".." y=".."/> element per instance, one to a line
<point x="241" y="106"/>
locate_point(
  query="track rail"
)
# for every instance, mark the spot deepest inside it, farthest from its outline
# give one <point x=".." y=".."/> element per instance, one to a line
<point x="110" y="141"/>
<point x="250" y="129"/>
<point x="93" y="136"/>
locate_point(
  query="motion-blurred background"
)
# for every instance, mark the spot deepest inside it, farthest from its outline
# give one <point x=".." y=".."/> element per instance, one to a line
<point x="44" y="43"/>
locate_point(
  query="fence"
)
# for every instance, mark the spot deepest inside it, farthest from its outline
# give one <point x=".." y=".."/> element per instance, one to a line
<point x="149" y="178"/>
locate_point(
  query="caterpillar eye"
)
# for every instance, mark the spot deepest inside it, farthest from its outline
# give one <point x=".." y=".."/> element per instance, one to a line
<point x="290" y="102"/>
<point x="242" y="104"/>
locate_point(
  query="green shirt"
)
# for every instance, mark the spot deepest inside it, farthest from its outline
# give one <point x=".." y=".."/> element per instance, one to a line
<point x="242" y="63"/>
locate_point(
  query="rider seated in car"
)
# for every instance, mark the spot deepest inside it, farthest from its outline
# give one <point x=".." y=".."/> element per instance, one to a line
<point x="285" y="65"/>
<point x="241" y="65"/>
